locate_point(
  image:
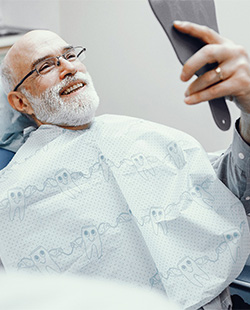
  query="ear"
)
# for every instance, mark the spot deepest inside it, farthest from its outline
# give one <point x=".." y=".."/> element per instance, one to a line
<point x="20" y="103"/>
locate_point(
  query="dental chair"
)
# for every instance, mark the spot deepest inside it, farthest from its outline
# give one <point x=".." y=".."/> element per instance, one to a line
<point x="240" y="289"/>
<point x="5" y="157"/>
<point x="13" y="126"/>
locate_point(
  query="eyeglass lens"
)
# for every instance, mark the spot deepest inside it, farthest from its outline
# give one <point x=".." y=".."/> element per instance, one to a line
<point x="49" y="64"/>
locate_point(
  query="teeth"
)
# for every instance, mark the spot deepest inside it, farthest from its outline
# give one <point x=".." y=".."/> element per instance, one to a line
<point x="72" y="88"/>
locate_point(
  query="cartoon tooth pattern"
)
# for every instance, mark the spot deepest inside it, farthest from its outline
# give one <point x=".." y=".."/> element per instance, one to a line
<point x="142" y="165"/>
<point x="67" y="184"/>
<point x="17" y="203"/>
<point x="17" y="197"/>
<point x="176" y="155"/>
<point x="41" y="259"/>
<point x="103" y="164"/>
<point x="157" y="216"/>
<point x="232" y="239"/>
<point x="89" y="243"/>
<point x="65" y="181"/>
<point x="92" y="241"/>
<point x="190" y="269"/>
<point x="199" y="194"/>
<point x="104" y="167"/>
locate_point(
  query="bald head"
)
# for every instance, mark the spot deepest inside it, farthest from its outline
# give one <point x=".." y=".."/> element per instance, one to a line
<point x="27" y="43"/>
<point x="18" y="61"/>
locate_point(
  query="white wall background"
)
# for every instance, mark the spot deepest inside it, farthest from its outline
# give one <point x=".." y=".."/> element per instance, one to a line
<point x="130" y="58"/>
<point x="31" y="13"/>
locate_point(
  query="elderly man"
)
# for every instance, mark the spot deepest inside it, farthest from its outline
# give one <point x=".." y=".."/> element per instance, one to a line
<point x="118" y="197"/>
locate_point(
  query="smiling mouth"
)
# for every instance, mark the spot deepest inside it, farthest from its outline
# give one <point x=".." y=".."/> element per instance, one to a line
<point x="73" y="88"/>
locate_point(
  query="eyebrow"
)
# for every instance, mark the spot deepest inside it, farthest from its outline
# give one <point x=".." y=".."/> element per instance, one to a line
<point x="64" y="49"/>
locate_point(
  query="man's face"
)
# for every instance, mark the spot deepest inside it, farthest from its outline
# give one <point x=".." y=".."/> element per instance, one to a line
<point x="79" y="109"/>
<point x="66" y="95"/>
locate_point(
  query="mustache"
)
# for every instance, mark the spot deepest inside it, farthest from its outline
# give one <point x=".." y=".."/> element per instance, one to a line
<point x="78" y="76"/>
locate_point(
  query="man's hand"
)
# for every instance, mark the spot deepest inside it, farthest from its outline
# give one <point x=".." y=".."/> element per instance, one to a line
<point x="233" y="79"/>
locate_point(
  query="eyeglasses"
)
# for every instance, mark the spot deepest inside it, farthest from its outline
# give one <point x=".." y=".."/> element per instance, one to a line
<point x="47" y="65"/>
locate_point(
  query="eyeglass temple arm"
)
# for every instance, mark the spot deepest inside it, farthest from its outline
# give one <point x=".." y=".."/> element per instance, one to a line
<point x="26" y="76"/>
<point x="83" y="50"/>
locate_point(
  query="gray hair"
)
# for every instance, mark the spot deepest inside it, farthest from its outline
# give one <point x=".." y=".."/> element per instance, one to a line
<point x="7" y="77"/>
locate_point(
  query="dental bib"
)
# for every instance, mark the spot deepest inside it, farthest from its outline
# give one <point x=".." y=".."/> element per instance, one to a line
<point x="126" y="199"/>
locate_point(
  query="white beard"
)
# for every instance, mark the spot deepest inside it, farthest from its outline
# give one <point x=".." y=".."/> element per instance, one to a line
<point x="50" y="108"/>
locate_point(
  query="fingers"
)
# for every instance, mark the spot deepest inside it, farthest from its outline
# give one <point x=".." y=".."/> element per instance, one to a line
<point x="215" y="50"/>
<point x="210" y="78"/>
<point x="216" y="91"/>
<point x="232" y="80"/>
<point x="208" y="54"/>
<point x="203" y="33"/>
<point x="237" y="85"/>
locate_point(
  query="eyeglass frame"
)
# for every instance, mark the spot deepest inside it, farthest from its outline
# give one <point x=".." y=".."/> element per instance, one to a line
<point x="58" y="64"/>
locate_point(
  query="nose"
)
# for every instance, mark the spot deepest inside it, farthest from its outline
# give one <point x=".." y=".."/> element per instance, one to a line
<point x="66" y="67"/>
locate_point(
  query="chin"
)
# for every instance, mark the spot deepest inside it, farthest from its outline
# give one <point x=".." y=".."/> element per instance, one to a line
<point x="71" y="110"/>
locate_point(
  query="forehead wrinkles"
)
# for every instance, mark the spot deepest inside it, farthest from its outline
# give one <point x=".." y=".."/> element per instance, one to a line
<point x="32" y="46"/>
<point x="44" y="46"/>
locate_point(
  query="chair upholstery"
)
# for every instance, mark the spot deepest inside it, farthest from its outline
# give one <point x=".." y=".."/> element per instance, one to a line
<point x="5" y="157"/>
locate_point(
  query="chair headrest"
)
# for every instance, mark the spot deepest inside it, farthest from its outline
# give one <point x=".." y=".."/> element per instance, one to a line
<point x="12" y="124"/>
<point x="5" y="157"/>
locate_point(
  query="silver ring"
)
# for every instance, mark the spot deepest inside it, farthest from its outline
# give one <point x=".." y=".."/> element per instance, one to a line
<point x="219" y="73"/>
